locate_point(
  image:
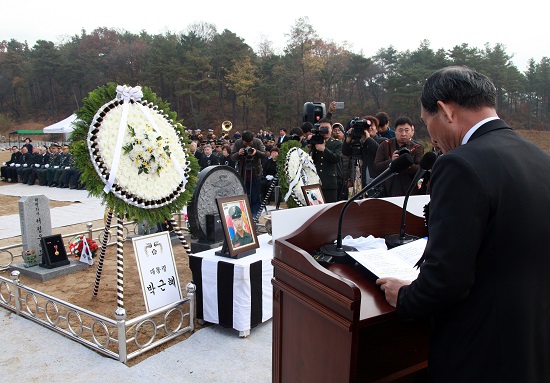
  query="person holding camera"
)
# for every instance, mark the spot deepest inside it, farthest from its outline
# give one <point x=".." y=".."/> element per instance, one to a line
<point x="248" y="152"/>
<point x="393" y="148"/>
<point x="360" y="145"/>
<point x="326" y="152"/>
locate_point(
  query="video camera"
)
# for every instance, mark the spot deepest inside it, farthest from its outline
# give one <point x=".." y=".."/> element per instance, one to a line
<point x="358" y="128"/>
<point x="318" y="134"/>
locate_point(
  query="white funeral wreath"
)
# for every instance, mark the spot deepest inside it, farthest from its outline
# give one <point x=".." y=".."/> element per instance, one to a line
<point x="300" y="171"/>
<point x="136" y="151"/>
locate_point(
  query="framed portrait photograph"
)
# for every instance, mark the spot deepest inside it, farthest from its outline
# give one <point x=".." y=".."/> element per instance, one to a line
<point x="313" y="194"/>
<point x="238" y="227"/>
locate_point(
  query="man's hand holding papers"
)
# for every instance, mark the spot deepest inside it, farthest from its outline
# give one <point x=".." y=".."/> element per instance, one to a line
<point x="394" y="267"/>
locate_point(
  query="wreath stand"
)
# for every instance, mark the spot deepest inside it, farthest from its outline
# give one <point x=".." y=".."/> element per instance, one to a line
<point x="265" y="202"/>
<point x="120" y="256"/>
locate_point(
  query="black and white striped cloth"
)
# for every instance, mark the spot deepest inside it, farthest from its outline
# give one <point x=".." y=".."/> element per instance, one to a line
<point x="235" y="293"/>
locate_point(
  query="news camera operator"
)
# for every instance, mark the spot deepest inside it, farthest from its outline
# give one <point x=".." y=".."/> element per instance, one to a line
<point x="361" y="147"/>
<point x="326" y="152"/>
<point x="247" y="153"/>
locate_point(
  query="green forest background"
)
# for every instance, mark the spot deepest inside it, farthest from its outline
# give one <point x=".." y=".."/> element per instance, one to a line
<point x="209" y="77"/>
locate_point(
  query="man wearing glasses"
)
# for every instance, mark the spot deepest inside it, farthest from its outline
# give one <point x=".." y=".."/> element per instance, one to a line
<point x="390" y="149"/>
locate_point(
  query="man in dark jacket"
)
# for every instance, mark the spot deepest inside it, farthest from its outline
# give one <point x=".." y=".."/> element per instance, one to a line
<point x="484" y="281"/>
<point x="393" y="148"/>
<point x="326" y="157"/>
<point x="22" y="163"/>
<point x="15" y="154"/>
<point x="247" y="153"/>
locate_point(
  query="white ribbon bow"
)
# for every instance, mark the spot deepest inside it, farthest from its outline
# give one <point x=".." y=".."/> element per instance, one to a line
<point x="127" y="93"/>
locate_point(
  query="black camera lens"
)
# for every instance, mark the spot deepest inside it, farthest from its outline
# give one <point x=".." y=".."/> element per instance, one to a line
<point x="249" y="150"/>
<point x="403" y="151"/>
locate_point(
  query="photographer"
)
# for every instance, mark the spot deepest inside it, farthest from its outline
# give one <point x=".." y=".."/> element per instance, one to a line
<point x="360" y="145"/>
<point x="248" y="152"/>
<point x="326" y="153"/>
<point x="390" y="149"/>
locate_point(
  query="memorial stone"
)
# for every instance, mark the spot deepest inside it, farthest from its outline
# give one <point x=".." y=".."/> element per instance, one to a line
<point x="35" y="220"/>
<point x="213" y="182"/>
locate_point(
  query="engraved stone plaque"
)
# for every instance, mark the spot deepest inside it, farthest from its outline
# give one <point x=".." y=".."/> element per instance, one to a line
<point x="213" y="182"/>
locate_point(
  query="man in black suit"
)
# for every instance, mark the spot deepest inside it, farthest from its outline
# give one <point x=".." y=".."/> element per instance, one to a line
<point x="282" y="137"/>
<point x="15" y="154"/>
<point x="22" y="163"/>
<point x="485" y="277"/>
<point x="208" y="159"/>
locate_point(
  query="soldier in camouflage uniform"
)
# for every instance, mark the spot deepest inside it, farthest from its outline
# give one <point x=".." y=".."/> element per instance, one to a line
<point x="54" y="172"/>
<point x="64" y="171"/>
<point x="43" y="171"/>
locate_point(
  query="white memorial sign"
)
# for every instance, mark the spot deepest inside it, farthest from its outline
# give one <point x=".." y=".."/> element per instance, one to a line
<point x="157" y="270"/>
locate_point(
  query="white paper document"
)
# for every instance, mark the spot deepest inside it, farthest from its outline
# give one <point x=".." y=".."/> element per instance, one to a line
<point x="397" y="262"/>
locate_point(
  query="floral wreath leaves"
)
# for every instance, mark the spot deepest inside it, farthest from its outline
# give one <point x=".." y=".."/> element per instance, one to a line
<point x="91" y="104"/>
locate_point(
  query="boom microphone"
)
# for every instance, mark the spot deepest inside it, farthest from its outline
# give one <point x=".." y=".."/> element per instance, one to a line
<point x="338" y="252"/>
<point x="394" y="240"/>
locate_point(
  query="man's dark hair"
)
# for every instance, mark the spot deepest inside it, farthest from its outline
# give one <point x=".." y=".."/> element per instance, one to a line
<point x="307" y="126"/>
<point x="325" y="120"/>
<point x="372" y="119"/>
<point x="459" y="84"/>
<point x="402" y="121"/>
<point x="296" y="132"/>
<point x="248" y="136"/>
<point x="284" y="130"/>
<point x="383" y="118"/>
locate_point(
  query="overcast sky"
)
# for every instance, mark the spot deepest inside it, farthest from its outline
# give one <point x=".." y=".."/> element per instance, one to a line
<point x="365" y="26"/>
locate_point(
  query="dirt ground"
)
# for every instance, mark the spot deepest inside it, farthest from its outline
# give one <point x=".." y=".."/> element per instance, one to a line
<point x="77" y="288"/>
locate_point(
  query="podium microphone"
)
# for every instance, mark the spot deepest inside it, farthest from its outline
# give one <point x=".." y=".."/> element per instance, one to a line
<point x="337" y="251"/>
<point x="394" y="240"/>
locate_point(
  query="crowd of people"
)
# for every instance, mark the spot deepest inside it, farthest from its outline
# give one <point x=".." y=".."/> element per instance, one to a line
<point x="346" y="157"/>
<point x="345" y="161"/>
<point x="52" y="166"/>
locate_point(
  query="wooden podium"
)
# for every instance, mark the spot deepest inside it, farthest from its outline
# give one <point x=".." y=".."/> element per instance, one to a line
<point x="334" y="325"/>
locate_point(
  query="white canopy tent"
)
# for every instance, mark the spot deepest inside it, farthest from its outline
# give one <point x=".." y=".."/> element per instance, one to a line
<point x="64" y="126"/>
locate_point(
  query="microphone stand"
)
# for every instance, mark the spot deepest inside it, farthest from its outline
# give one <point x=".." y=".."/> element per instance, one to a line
<point x="394" y="240"/>
<point x="338" y="251"/>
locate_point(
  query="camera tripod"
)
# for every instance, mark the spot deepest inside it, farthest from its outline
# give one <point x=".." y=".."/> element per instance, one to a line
<point x="356" y="171"/>
<point x="251" y="184"/>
